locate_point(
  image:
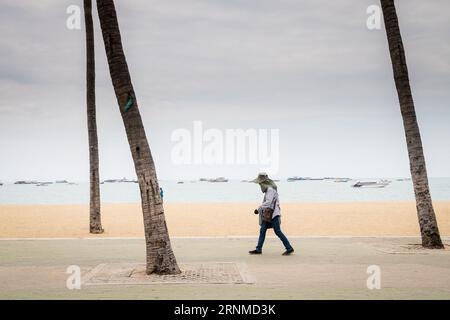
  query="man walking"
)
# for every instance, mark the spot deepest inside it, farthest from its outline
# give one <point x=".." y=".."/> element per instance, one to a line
<point x="269" y="214"/>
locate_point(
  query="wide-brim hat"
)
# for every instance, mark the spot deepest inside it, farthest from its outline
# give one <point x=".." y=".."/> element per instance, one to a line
<point x="262" y="177"/>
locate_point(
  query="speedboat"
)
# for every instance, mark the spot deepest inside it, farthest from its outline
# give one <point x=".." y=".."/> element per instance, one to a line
<point x="371" y="184"/>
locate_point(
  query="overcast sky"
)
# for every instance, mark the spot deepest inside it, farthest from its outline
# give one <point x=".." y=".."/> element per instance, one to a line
<point x="309" y="68"/>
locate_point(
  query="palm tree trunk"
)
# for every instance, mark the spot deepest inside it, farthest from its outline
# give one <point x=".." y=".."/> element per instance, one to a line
<point x="160" y="257"/>
<point x="427" y="218"/>
<point x="95" y="222"/>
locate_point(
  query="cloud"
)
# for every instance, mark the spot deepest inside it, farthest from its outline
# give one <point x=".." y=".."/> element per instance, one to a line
<point x="254" y="60"/>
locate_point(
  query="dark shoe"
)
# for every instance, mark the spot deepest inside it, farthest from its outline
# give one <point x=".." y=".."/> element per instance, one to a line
<point x="255" y="252"/>
<point x="288" y="252"/>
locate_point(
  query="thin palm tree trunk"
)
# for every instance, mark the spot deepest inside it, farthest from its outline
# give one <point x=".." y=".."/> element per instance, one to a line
<point x="160" y="257"/>
<point x="95" y="222"/>
<point x="427" y="218"/>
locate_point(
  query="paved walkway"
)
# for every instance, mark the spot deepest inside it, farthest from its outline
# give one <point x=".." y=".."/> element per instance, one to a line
<point x="321" y="268"/>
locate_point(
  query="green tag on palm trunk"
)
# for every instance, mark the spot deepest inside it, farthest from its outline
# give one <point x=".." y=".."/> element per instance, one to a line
<point x="128" y="105"/>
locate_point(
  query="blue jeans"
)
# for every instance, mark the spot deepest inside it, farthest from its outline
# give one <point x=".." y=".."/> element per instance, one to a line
<point x="276" y="229"/>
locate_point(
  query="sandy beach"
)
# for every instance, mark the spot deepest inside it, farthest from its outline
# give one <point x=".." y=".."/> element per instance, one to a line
<point x="221" y="219"/>
<point x="207" y="236"/>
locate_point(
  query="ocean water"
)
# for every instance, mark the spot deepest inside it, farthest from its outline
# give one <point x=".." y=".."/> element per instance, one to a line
<point x="232" y="191"/>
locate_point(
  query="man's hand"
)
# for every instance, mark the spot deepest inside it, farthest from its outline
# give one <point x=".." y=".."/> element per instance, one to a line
<point x="256" y="211"/>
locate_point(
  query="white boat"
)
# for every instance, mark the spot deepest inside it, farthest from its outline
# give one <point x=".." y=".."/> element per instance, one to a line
<point x="26" y="182"/>
<point x="295" y="178"/>
<point x="371" y="184"/>
<point x="110" y="181"/>
<point x="43" y="184"/>
<point x="219" y="179"/>
<point x="125" y="180"/>
<point x="342" y="180"/>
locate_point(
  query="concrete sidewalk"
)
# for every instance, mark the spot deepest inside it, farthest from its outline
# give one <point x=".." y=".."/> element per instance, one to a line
<point x="321" y="268"/>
